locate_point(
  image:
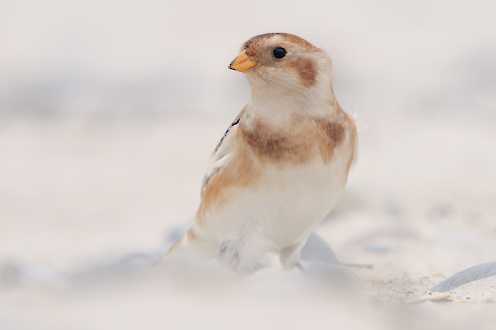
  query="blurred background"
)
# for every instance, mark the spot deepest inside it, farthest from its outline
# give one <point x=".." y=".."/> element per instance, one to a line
<point x="110" y="109"/>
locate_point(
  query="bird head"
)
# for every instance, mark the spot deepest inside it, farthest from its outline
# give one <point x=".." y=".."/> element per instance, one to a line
<point x="283" y="63"/>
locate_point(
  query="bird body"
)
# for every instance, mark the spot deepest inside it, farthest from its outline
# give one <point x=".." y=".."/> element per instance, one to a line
<point x="282" y="164"/>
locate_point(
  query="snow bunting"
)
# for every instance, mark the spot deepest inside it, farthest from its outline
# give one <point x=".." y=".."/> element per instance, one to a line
<point x="282" y="164"/>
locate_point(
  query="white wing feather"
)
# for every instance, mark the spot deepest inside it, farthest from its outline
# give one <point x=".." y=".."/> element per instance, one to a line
<point x="222" y="152"/>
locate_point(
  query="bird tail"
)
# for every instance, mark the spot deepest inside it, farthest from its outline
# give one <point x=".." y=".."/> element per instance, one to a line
<point x="187" y="241"/>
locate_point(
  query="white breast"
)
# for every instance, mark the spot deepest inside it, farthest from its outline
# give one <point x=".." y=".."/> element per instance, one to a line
<point x="282" y="209"/>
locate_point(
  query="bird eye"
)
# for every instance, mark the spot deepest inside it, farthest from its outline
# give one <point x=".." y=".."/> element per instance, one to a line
<point x="279" y="52"/>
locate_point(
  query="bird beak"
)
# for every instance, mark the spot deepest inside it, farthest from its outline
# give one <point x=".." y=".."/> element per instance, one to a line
<point x="242" y="63"/>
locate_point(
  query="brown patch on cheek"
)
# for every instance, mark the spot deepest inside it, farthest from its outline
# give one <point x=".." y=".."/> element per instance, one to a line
<point x="306" y="71"/>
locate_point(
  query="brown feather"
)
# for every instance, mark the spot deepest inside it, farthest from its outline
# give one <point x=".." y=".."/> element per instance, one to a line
<point x="350" y="123"/>
<point x="241" y="171"/>
<point x="260" y="145"/>
<point x="250" y="45"/>
<point x="306" y="70"/>
<point x="304" y="139"/>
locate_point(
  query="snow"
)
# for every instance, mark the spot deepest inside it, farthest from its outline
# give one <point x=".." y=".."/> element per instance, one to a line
<point x="90" y="207"/>
<point x="110" y="111"/>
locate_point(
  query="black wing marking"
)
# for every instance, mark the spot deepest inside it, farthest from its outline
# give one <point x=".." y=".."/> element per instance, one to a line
<point x="216" y="156"/>
<point x="234" y="123"/>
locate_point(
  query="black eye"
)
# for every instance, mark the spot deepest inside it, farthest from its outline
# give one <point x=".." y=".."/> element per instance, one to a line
<point x="279" y="52"/>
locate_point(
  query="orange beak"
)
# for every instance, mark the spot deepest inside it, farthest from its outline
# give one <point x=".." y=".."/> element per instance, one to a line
<point x="242" y="63"/>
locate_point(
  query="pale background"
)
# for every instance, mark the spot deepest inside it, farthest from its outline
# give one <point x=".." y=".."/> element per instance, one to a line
<point x="108" y="113"/>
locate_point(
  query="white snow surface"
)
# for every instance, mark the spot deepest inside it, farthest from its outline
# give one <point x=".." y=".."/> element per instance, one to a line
<point x="109" y="111"/>
<point x="88" y="208"/>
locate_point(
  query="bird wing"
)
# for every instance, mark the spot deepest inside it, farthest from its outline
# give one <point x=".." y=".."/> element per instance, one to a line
<point x="222" y="152"/>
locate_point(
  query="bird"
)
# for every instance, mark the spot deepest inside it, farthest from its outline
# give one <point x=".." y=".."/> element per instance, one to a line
<point x="282" y="164"/>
